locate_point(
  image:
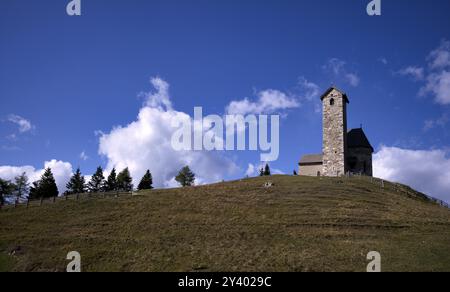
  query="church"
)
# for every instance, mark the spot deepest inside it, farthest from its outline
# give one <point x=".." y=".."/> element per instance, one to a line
<point x="343" y="151"/>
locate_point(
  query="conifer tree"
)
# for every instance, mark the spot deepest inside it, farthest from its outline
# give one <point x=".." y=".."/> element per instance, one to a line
<point x="111" y="182"/>
<point x="146" y="182"/>
<point x="97" y="182"/>
<point x="124" y="181"/>
<point x="267" y="170"/>
<point x="185" y="177"/>
<point x="45" y="187"/>
<point x="77" y="184"/>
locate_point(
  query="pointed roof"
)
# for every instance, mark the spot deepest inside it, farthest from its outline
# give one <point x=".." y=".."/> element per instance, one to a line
<point x="356" y="138"/>
<point x="337" y="89"/>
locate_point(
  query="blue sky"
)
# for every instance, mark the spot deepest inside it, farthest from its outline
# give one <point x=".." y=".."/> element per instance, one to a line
<point x="64" y="80"/>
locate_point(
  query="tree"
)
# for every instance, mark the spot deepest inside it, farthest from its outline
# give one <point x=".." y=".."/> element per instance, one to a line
<point x="6" y="188"/>
<point x="185" y="177"/>
<point x="97" y="183"/>
<point x="21" y="186"/>
<point x="261" y="172"/>
<point x="111" y="182"/>
<point x="45" y="187"/>
<point x="267" y="170"/>
<point x="35" y="191"/>
<point x="77" y="184"/>
<point x="146" y="182"/>
<point x="124" y="181"/>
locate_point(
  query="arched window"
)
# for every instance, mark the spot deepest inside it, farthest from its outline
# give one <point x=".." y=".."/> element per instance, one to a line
<point x="332" y="101"/>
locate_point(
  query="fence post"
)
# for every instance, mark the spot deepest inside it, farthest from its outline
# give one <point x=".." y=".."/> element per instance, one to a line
<point x="78" y="196"/>
<point x="16" y="203"/>
<point x="54" y="199"/>
<point x="28" y="202"/>
<point x="382" y="184"/>
<point x="42" y="200"/>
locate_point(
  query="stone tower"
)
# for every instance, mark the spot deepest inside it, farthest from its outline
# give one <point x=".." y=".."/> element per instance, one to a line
<point x="334" y="132"/>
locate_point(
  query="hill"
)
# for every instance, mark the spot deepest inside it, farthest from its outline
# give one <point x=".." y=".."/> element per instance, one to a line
<point x="299" y="224"/>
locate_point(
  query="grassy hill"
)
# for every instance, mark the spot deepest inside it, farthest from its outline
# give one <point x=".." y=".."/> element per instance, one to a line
<point x="300" y="224"/>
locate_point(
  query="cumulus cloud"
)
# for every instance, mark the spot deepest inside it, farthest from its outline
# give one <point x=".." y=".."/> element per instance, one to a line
<point x="146" y="144"/>
<point x="23" y="124"/>
<point x="425" y="170"/>
<point x="269" y="101"/>
<point x="251" y="170"/>
<point x="62" y="172"/>
<point x="338" y="68"/>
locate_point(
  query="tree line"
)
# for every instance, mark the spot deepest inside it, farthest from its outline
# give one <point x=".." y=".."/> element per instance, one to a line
<point x="46" y="186"/>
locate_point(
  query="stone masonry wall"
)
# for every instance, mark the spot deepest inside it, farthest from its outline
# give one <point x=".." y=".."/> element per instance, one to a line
<point x="334" y="134"/>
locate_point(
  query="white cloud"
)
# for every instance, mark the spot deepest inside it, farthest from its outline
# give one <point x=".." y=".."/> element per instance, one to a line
<point x="437" y="81"/>
<point x="438" y="84"/>
<point x="309" y="90"/>
<point x="83" y="156"/>
<point x="417" y="73"/>
<point x="439" y="122"/>
<point x="159" y="99"/>
<point x="338" y="68"/>
<point x="352" y="79"/>
<point x="440" y="57"/>
<point x="383" y="60"/>
<point x="425" y="170"/>
<point x="269" y="101"/>
<point x="251" y="170"/>
<point x="23" y="124"/>
<point x="146" y="144"/>
<point x="62" y="172"/>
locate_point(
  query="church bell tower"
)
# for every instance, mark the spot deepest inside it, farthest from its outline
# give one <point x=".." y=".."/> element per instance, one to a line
<point x="334" y="146"/>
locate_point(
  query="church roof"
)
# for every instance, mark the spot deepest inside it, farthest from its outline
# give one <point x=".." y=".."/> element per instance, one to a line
<point x="357" y="139"/>
<point x="311" y="159"/>
<point x="337" y="89"/>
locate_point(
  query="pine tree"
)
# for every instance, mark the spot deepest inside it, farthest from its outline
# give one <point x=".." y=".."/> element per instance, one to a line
<point x="21" y="186"/>
<point x="124" y="181"/>
<point x="146" y="182"/>
<point x="267" y="170"/>
<point x="185" y="177"/>
<point x="111" y="182"/>
<point x="97" y="183"/>
<point x="45" y="187"/>
<point x="77" y="184"/>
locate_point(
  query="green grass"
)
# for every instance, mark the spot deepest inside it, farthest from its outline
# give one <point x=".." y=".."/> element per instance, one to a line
<point x="300" y="224"/>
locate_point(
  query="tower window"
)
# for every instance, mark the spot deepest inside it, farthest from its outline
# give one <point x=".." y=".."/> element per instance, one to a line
<point x="332" y="101"/>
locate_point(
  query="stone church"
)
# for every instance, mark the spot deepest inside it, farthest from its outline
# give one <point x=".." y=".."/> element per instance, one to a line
<point x="342" y="152"/>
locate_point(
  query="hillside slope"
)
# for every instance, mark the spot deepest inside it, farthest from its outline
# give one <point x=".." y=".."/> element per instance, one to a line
<point x="300" y="224"/>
